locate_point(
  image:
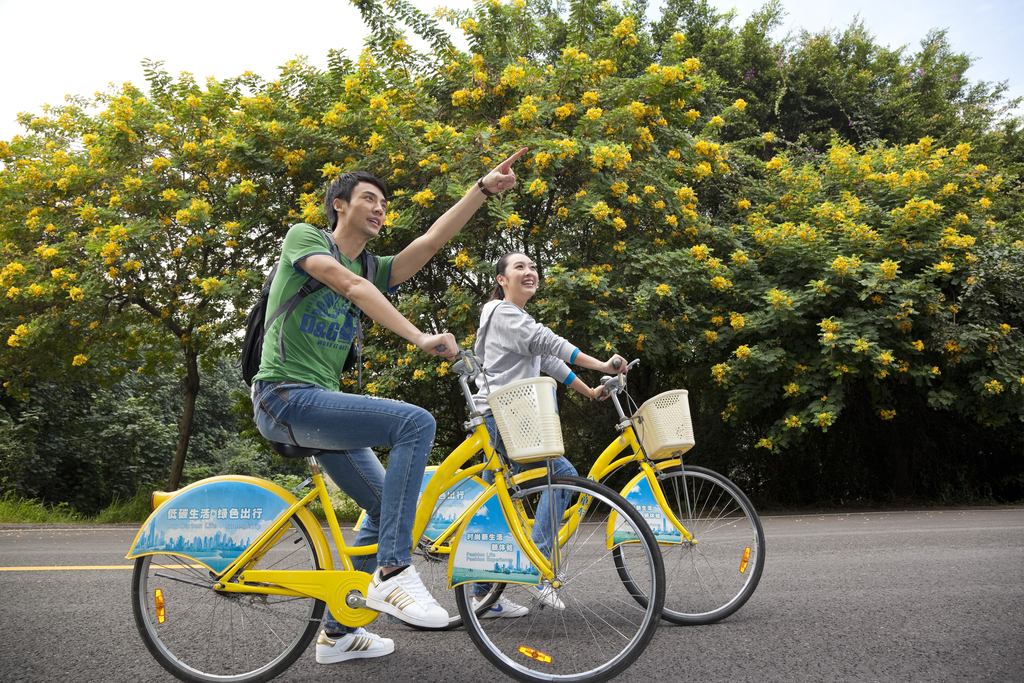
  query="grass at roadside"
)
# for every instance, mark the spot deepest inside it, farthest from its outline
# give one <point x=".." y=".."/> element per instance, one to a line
<point x="136" y="510"/>
<point x="21" y="511"/>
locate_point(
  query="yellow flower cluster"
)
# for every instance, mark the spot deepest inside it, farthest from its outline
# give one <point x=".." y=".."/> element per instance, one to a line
<point x="424" y="198"/>
<point x="600" y="211"/>
<point x="778" y="299"/>
<point x="720" y="373"/>
<point x="720" y="283"/>
<point x="845" y="265"/>
<point x="463" y="260"/>
<point x="887" y="269"/>
<point x="565" y="111"/>
<point x="615" y="157"/>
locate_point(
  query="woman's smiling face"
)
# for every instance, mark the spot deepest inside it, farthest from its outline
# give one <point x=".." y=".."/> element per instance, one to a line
<point x="520" y="279"/>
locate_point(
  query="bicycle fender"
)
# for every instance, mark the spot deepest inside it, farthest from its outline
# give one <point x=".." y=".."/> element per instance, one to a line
<point x="213" y="521"/>
<point x="484" y="548"/>
<point x="638" y="493"/>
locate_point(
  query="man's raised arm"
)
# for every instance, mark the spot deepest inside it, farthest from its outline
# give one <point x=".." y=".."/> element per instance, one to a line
<point x="409" y="261"/>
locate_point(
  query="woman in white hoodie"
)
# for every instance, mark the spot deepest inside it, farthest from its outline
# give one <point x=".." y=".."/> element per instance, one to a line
<point x="514" y="346"/>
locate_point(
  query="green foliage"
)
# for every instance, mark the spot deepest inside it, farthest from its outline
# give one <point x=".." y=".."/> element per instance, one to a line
<point x="135" y="510"/>
<point x="674" y="197"/>
<point x="14" y="510"/>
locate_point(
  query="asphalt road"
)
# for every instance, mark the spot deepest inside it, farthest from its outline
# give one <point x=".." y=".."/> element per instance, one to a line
<point x="935" y="595"/>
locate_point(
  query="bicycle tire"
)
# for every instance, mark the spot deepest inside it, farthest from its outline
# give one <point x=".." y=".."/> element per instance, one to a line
<point x="602" y="628"/>
<point x="709" y="578"/>
<point x="209" y="635"/>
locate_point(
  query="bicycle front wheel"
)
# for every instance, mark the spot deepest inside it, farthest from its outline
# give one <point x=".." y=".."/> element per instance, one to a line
<point x="202" y="635"/>
<point x="587" y="626"/>
<point x="711" y="576"/>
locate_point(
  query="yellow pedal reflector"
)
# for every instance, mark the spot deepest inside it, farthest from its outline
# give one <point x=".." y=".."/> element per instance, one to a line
<point x="161" y="613"/>
<point x="744" y="561"/>
<point x="534" y="654"/>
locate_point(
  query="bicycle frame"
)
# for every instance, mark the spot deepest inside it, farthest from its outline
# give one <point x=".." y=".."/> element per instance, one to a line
<point x="610" y="461"/>
<point x="334" y="586"/>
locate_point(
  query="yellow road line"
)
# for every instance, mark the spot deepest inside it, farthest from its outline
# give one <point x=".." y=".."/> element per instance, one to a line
<point x="56" y="568"/>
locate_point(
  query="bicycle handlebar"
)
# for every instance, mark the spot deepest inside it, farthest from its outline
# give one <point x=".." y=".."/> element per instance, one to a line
<point x="617" y="384"/>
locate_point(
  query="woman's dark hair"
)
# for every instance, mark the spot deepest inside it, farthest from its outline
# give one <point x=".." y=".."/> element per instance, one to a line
<point x="342" y="188"/>
<point x="499" y="269"/>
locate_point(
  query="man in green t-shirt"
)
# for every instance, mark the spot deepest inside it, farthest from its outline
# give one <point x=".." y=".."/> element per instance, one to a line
<point x="296" y="398"/>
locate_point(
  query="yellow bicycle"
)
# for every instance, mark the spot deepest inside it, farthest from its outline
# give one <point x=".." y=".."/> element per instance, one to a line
<point x="232" y="573"/>
<point x="708" y="531"/>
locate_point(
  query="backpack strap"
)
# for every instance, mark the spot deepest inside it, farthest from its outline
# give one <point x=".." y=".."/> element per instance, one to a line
<point x="369" y="263"/>
<point x="308" y="287"/>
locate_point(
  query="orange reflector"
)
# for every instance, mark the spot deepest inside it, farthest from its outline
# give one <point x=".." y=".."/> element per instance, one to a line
<point x="534" y="654"/>
<point x="158" y="598"/>
<point x="745" y="560"/>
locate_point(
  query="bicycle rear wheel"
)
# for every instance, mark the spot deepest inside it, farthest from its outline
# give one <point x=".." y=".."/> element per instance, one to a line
<point x="202" y="635"/>
<point x="712" y="576"/>
<point x="602" y="628"/>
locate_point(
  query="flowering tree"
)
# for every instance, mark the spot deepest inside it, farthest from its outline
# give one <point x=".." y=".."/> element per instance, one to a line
<point x="130" y="235"/>
<point x="618" y="154"/>
<point x="787" y="288"/>
<point x="867" y="281"/>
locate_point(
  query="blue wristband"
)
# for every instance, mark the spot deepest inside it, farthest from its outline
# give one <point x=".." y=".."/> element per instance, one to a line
<point x="570" y="379"/>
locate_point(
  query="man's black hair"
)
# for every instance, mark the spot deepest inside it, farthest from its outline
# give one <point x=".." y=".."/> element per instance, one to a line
<point x="342" y="188"/>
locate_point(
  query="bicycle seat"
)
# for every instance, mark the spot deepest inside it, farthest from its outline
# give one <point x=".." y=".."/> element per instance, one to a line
<point x="286" y="450"/>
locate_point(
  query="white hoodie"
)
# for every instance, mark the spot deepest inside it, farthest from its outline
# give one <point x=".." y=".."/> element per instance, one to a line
<point x="514" y="346"/>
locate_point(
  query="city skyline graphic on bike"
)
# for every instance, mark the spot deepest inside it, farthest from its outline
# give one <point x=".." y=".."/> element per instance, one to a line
<point x="213" y="523"/>
<point x="451" y="504"/>
<point x="641" y="497"/>
<point x="487" y="551"/>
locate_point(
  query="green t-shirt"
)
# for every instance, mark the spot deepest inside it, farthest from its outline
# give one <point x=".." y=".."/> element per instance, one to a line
<point x="319" y="332"/>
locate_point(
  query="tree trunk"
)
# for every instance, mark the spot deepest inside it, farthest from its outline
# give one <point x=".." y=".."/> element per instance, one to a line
<point x="185" y="430"/>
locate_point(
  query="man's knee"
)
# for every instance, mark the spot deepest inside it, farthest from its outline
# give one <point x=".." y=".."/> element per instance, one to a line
<point x="422" y="425"/>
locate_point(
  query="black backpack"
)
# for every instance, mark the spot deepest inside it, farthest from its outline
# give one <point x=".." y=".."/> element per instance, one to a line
<point x="257" y="322"/>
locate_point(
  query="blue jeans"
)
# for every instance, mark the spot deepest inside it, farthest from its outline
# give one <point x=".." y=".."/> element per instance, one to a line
<point x="346" y="426"/>
<point x="542" y="522"/>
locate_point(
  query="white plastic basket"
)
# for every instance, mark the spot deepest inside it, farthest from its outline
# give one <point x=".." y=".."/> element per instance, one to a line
<point x="526" y="412"/>
<point x="664" y="427"/>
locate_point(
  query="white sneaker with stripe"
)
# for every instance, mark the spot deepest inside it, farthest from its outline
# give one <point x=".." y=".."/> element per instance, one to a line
<point x="403" y="595"/>
<point x="359" y="644"/>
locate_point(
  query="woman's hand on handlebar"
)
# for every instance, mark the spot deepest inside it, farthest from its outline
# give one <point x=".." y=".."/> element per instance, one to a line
<point x="615" y="365"/>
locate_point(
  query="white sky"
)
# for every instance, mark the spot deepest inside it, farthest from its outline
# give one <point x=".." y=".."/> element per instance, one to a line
<point x="54" y="47"/>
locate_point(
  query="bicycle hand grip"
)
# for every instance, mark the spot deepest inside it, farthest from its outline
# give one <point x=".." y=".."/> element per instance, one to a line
<point x="616" y="363"/>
